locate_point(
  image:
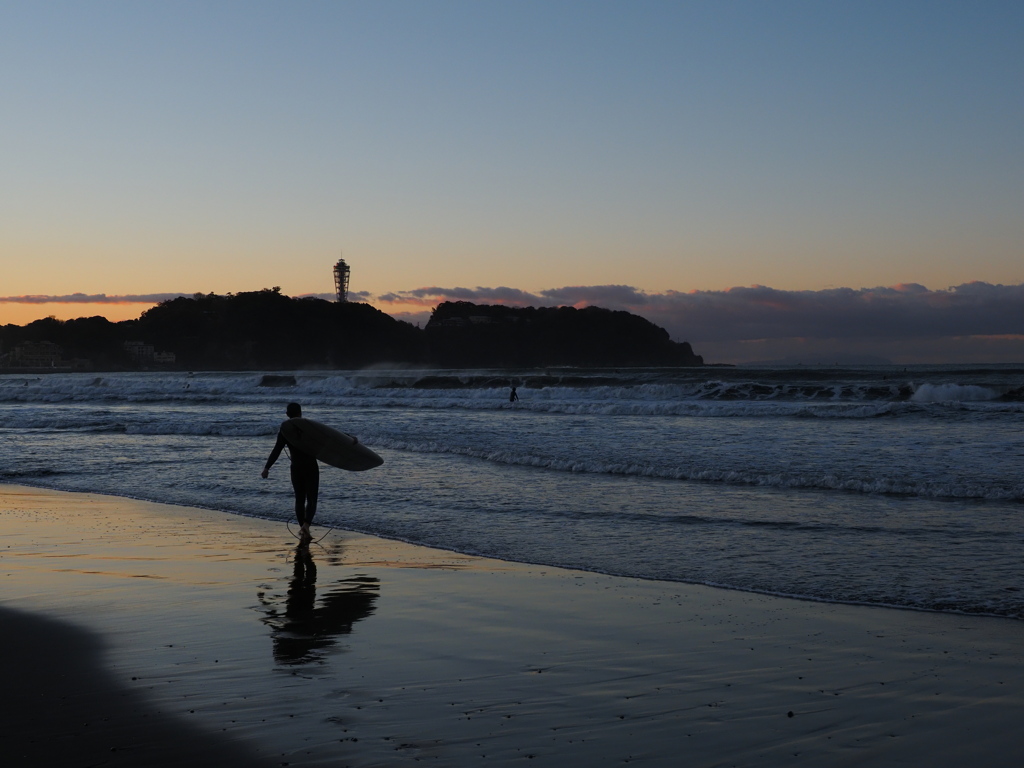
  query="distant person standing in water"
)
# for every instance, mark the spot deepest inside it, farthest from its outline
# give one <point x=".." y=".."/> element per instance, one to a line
<point x="513" y="396"/>
<point x="305" y="477"/>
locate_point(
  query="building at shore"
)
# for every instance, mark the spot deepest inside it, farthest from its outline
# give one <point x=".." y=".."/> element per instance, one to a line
<point x="36" y="354"/>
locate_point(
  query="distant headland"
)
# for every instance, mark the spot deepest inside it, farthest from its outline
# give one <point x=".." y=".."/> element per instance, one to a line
<point x="266" y="330"/>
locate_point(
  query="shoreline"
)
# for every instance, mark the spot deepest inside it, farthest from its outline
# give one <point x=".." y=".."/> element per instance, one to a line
<point x="377" y="652"/>
<point x="537" y="564"/>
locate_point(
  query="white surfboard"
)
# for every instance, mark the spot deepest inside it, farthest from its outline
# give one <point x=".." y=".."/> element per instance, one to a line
<point x="329" y="445"/>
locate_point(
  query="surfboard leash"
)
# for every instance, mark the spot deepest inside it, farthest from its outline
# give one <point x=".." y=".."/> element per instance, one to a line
<point x="329" y="529"/>
<point x="288" y="525"/>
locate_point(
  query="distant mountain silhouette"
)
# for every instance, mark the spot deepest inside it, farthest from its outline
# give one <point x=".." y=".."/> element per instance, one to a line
<point x="265" y="330"/>
<point x="465" y="335"/>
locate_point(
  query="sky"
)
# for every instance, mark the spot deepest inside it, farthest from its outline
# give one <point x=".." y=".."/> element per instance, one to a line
<point x="768" y="181"/>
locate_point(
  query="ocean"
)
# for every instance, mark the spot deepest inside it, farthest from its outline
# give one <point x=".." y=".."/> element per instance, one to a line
<point x="893" y="486"/>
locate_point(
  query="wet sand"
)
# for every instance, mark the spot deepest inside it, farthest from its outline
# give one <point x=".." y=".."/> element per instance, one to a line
<point x="143" y="634"/>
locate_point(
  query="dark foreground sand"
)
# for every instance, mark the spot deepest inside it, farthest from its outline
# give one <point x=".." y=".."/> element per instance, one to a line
<point x="136" y="634"/>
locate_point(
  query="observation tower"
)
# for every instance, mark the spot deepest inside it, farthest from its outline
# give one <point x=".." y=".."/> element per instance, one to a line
<point x="341" y="271"/>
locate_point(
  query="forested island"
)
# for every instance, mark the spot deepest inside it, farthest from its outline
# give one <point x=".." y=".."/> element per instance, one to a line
<point x="266" y="330"/>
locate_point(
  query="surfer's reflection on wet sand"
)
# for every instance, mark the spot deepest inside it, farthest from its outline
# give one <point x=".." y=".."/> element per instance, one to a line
<point x="303" y="628"/>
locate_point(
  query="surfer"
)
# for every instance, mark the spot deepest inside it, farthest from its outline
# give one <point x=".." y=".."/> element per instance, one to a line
<point x="513" y="396"/>
<point x="305" y="476"/>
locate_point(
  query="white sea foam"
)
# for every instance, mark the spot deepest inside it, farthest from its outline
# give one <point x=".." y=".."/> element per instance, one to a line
<point x="925" y="488"/>
<point x="942" y="393"/>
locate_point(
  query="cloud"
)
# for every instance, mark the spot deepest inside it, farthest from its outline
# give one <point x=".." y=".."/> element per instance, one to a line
<point x="602" y="295"/>
<point x="759" y="312"/>
<point x="908" y="322"/>
<point x="429" y="297"/>
<point x="142" y="298"/>
<point x="903" y="311"/>
<point x="92" y="298"/>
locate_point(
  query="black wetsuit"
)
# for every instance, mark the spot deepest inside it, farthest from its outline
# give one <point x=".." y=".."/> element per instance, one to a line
<point x="305" y="479"/>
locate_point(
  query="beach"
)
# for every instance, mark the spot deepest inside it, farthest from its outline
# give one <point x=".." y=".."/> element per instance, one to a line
<point x="137" y="633"/>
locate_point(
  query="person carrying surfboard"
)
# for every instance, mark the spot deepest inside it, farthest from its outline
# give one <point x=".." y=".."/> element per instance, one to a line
<point x="305" y="476"/>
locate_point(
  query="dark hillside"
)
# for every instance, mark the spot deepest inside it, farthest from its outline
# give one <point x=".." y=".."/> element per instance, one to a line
<point x="265" y="330"/>
<point x="94" y="339"/>
<point x="461" y="334"/>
